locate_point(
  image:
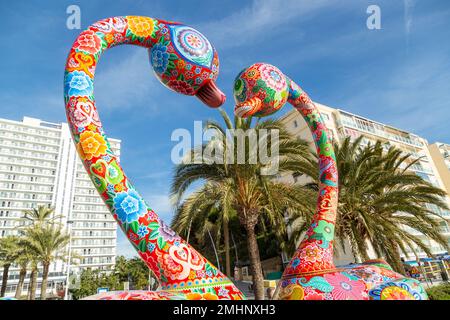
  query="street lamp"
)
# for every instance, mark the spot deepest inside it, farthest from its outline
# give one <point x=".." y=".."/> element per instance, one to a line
<point x="66" y="293"/>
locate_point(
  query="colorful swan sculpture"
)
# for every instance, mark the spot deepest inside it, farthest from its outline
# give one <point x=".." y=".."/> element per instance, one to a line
<point x="184" y="61"/>
<point x="261" y="90"/>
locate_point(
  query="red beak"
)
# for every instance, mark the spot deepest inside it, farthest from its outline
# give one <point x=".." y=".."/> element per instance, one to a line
<point x="211" y="95"/>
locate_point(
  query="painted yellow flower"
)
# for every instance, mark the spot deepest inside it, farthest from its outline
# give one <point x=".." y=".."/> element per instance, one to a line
<point x="91" y="145"/>
<point x="396" y="293"/>
<point x="109" y="38"/>
<point x="181" y="64"/>
<point x="141" y="26"/>
<point x="200" y="296"/>
<point x="192" y="275"/>
<point x="118" y="187"/>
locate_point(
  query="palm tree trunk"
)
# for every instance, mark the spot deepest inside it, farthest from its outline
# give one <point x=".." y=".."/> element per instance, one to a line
<point x="46" y="266"/>
<point x="32" y="286"/>
<point x="4" y="279"/>
<point x="255" y="262"/>
<point x="22" y="275"/>
<point x="226" y="240"/>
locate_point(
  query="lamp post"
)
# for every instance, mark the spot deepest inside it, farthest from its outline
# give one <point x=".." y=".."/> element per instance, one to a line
<point x="214" y="247"/>
<point x="66" y="293"/>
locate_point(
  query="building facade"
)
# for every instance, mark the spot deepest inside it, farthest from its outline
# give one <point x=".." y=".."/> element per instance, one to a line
<point x="342" y="124"/>
<point x="440" y="153"/>
<point x="39" y="165"/>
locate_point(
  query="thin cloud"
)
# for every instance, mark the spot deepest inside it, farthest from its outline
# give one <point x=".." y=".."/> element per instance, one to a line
<point x="258" y="21"/>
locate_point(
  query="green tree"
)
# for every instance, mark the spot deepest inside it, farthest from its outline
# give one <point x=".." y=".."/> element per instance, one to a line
<point x="36" y="218"/>
<point x="133" y="270"/>
<point x="41" y="214"/>
<point x="244" y="188"/>
<point x="379" y="200"/>
<point x="9" y="251"/>
<point x="46" y="242"/>
<point x="23" y="261"/>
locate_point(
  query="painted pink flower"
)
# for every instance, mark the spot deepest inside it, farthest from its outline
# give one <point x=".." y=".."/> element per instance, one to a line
<point x="88" y="41"/>
<point x="273" y="77"/>
<point x="344" y="288"/>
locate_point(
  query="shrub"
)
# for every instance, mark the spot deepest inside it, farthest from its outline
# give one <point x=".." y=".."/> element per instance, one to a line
<point x="440" y="292"/>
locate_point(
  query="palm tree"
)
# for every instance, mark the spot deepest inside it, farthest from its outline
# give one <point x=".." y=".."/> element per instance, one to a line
<point x="23" y="260"/>
<point x="33" y="278"/>
<point x="379" y="200"/>
<point x="36" y="218"/>
<point x="206" y="207"/>
<point x="247" y="188"/>
<point x="46" y="242"/>
<point x="40" y="215"/>
<point x="9" y="250"/>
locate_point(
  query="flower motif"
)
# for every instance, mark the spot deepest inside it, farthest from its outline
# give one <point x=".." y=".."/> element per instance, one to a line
<point x="273" y="77"/>
<point x="142" y="231"/>
<point x="326" y="229"/>
<point x="396" y="293"/>
<point x="91" y="145"/>
<point x="313" y="295"/>
<point x="151" y="263"/>
<point x="344" y="288"/>
<point x="223" y="292"/>
<point x="129" y="206"/>
<point x="151" y="247"/>
<point x="181" y="86"/>
<point x="141" y="26"/>
<point x="78" y="83"/>
<point x="167" y="233"/>
<point x="118" y="187"/>
<point x="310" y="254"/>
<point x="159" y="58"/>
<point x="201" y="296"/>
<point x="88" y="41"/>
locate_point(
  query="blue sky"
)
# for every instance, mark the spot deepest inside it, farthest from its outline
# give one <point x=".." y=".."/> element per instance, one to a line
<point x="398" y="75"/>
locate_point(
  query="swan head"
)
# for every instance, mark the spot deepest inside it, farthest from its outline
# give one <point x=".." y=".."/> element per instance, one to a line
<point x="184" y="61"/>
<point x="260" y="90"/>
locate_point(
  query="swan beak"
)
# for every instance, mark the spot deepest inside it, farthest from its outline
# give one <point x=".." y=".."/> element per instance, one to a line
<point x="248" y="108"/>
<point x="211" y="95"/>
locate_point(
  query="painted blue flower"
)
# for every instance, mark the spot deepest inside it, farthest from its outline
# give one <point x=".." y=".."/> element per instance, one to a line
<point x="110" y="187"/>
<point x="151" y="247"/>
<point x="142" y="231"/>
<point x="159" y="58"/>
<point x="78" y="83"/>
<point x="129" y="206"/>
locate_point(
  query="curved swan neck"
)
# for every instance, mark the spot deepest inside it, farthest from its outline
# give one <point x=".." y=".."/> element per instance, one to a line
<point x="177" y="265"/>
<point x="317" y="244"/>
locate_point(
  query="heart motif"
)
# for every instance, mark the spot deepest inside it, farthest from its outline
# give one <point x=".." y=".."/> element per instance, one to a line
<point x="182" y="254"/>
<point x="99" y="168"/>
<point x="85" y="106"/>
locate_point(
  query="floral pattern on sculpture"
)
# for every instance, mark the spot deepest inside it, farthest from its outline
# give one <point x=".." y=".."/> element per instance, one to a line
<point x="165" y="253"/>
<point x="78" y="84"/>
<point x="91" y="145"/>
<point x="159" y="58"/>
<point x="260" y="90"/>
<point x="129" y="206"/>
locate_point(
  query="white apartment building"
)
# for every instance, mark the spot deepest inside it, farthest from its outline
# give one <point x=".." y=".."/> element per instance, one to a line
<point x="39" y="165"/>
<point x="342" y="124"/>
<point x="440" y="152"/>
